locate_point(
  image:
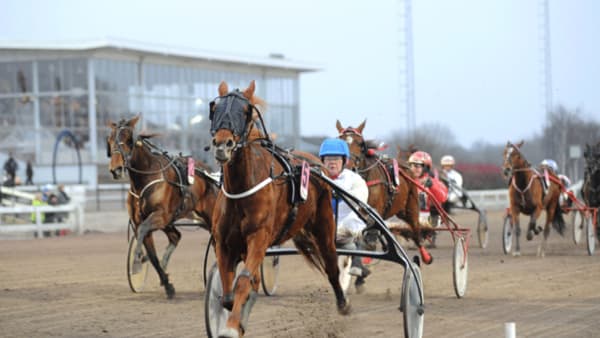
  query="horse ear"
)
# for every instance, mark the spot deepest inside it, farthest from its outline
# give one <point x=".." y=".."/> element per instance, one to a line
<point x="131" y="123"/>
<point x="521" y="143"/>
<point x="223" y="88"/>
<point x="249" y="92"/>
<point x="338" y="125"/>
<point x="111" y="124"/>
<point x="362" y="126"/>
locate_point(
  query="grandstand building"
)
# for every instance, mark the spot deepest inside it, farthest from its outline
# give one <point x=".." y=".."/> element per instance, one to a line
<point x="52" y="89"/>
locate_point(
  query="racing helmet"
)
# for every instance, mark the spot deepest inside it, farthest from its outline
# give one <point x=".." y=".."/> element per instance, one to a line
<point x="447" y="160"/>
<point x="334" y="147"/>
<point x="550" y="164"/>
<point x="420" y="157"/>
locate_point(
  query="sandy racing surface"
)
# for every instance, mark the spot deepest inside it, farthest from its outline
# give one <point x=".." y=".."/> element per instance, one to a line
<point x="76" y="286"/>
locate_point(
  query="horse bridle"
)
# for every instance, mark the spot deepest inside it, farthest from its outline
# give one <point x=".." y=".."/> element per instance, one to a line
<point x="117" y="147"/>
<point x="356" y="159"/>
<point x="226" y="112"/>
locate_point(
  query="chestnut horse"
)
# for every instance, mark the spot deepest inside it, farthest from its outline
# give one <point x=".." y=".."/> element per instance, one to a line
<point x="385" y="196"/>
<point x="159" y="192"/>
<point x="257" y="206"/>
<point x="527" y="196"/>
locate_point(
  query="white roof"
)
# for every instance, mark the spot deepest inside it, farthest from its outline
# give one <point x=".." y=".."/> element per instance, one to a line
<point x="151" y="48"/>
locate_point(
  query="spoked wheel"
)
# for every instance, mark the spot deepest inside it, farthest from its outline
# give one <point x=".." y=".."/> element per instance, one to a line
<point x="482" y="230"/>
<point x="507" y="235"/>
<point x="578" y="223"/>
<point x="215" y="315"/>
<point x="344" y="263"/>
<point x="269" y="272"/>
<point x="209" y="260"/>
<point x="412" y="303"/>
<point x="136" y="275"/>
<point x="460" y="267"/>
<point x="590" y="235"/>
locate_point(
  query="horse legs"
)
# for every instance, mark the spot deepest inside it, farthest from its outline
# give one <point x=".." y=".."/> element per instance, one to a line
<point x="517" y="226"/>
<point x="541" y="252"/>
<point x="174" y="236"/>
<point x="533" y="228"/>
<point x="324" y="234"/>
<point x="246" y="285"/>
<point x="145" y="228"/>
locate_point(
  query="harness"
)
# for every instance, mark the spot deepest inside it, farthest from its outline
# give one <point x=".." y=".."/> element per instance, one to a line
<point x="227" y="112"/>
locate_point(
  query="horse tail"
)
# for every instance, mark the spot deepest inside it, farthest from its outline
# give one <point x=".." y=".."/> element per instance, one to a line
<point x="558" y="222"/>
<point x="309" y="250"/>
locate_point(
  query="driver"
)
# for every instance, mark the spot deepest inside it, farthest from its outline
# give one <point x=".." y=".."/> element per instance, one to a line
<point x="455" y="180"/>
<point x="334" y="154"/>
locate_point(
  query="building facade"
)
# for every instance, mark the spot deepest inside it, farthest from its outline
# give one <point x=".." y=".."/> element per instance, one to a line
<point x="46" y="89"/>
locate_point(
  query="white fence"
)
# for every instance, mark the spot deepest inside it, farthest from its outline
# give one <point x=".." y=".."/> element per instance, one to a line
<point x="117" y="193"/>
<point x="18" y="215"/>
<point x="18" y="219"/>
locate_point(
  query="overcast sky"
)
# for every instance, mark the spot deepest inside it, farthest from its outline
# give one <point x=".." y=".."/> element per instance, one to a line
<point x="476" y="62"/>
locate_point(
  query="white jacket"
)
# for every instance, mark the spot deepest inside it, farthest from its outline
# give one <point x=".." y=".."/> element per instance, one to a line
<point x="347" y="219"/>
<point x="456" y="180"/>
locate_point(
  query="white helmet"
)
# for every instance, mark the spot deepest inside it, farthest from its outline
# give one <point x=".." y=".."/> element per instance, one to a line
<point x="447" y="160"/>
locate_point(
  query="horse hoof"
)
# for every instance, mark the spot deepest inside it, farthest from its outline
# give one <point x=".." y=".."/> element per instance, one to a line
<point x="538" y="230"/>
<point x="425" y="256"/>
<point x="346" y="308"/>
<point x="529" y="235"/>
<point x="170" y="291"/>
<point x="229" y="332"/>
<point x="360" y="288"/>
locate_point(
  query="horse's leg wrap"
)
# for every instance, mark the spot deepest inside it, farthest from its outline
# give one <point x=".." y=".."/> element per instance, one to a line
<point x="247" y="307"/>
<point x="227" y="301"/>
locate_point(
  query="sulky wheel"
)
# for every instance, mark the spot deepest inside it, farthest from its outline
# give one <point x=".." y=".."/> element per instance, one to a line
<point x="344" y="263"/>
<point x="215" y="315"/>
<point x="412" y="303"/>
<point x="209" y="259"/>
<point x="590" y="235"/>
<point x="507" y="235"/>
<point x="578" y="223"/>
<point x="136" y="274"/>
<point x="269" y="272"/>
<point x="460" y="265"/>
<point x="482" y="230"/>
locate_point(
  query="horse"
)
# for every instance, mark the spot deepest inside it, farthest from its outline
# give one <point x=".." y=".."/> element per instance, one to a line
<point x="257" y="206"/>
<point x="527" y="196"/>
<point x="385" y="195"/>
<point x="591" y="181"/>
<point x="159" y="192"/>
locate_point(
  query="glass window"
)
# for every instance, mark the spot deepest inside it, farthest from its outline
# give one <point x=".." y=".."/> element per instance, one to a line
<point x="16" y="77"/>
<point x="16" y="112"/>
<point x="115" y="75"/>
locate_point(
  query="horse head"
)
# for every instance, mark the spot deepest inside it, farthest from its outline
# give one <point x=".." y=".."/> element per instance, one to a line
<point x="513" y="158"/>
<point x="591" y="154"/>
<point x="232" y="115"/>
<point x="119" y="145"/>
<point x="356" y="143"/>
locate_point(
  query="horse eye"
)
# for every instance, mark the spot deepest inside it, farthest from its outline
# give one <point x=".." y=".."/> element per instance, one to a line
<point x="229" y="143"/>
<point x="214" y="142"/>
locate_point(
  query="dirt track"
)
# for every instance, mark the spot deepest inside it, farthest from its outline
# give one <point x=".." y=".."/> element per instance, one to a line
<point x="76" y="287"/>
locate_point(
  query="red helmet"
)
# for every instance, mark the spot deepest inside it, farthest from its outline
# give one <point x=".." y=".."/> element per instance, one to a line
<point x="420" y="157"/>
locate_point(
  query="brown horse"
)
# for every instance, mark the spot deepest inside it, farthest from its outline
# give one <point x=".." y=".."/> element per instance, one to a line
<point x="257" y="209"/>
<point x="385" y="196"/>
<point x="527" y="196"/>
<point x="159" y="192"/>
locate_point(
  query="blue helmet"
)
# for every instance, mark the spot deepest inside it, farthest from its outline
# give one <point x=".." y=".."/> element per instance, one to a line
<point x="334" y="147"/>
<point x="550" y="164"/>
